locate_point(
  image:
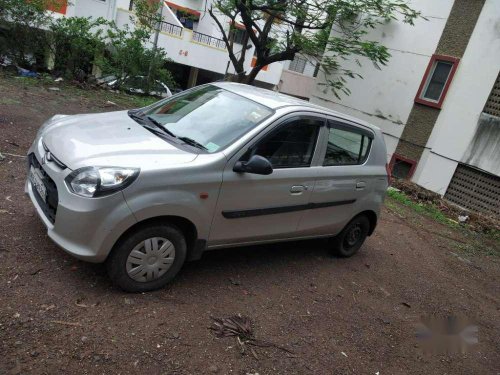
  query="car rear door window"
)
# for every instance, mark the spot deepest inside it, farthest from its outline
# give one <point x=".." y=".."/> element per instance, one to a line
<point x="292" y="145"/>
<point x="346" y="146"/>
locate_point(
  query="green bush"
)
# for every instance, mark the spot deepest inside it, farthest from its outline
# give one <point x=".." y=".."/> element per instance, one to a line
<point x="22" y="35"/>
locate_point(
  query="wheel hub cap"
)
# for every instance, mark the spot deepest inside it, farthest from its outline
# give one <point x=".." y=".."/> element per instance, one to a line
<point x="150" y="259"/>
<point x="354" y="235"/>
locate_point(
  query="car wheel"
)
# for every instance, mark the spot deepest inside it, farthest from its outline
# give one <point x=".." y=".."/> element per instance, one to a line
<point x="147" y="259"/>
<point x="348" y="242"/>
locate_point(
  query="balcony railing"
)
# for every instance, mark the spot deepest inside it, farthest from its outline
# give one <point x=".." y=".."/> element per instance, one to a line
<point x="208" y="40"/>
<point x="171" y="29"/>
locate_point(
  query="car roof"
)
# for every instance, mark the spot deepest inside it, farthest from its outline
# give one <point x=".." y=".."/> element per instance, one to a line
<point x="275" y="100"/>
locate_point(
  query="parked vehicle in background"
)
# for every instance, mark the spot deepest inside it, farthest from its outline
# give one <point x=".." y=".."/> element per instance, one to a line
<point x="218" y="165"/>
<point x="138" y="86"/>
<point x="105" y="81"/>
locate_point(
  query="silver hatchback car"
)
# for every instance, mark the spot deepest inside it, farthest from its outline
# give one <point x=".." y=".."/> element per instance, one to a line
<point x="219" y="165"/>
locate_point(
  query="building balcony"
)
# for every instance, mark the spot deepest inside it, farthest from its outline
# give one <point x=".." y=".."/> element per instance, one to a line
<point x="199" y="50"/>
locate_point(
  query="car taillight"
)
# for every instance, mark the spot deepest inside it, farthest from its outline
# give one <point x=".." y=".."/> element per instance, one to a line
<point x="389" y="174"/>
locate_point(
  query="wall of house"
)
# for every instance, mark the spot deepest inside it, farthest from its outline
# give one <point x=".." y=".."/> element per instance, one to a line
<point x="92" y="8"/>
<point x="296" y="84"/>
<point x="459" y="118"/>
<point x="385" y="97"/>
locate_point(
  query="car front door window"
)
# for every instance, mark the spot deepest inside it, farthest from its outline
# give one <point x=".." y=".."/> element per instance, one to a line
<point x="292" y="145"/>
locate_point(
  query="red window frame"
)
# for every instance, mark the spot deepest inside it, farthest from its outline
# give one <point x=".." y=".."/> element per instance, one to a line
<point x="402" y="158"/>
<point x="434" y="59"/>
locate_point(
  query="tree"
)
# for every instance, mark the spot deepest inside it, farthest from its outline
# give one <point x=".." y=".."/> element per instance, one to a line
<point x="279" y="30"/>
<point x="76" y="43"/>
<point x="22" y="35"/>
<point x="127" y="55"/>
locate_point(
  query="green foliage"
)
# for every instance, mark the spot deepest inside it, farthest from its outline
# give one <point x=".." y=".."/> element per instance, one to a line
<point x="147" y="13"/>
<point x="76" y="43"/>
<point x="21" y="36"/>
<point x="328" y="32"/>
<point x="128" y="56"/>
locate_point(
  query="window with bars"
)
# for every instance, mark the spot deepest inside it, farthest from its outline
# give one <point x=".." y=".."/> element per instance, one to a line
<point x="238" y="35"/>
<point x="298" y="64"/>
<point x="492" y="106"/>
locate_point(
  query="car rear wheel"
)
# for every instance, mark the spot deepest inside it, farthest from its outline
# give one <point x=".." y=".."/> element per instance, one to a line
<point x="147" y="259"/>
<point x="348" y="242"/>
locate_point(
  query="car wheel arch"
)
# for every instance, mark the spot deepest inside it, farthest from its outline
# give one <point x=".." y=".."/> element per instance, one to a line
<point x="186" y="226"/>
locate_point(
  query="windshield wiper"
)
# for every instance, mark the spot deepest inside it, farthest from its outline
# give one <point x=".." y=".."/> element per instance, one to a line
<point x="158" y="124"/>
<point x="136" y="115"/>
<point x="146" y="120"/>
<point x="160" y="129"/>
<point x="192" y="142"/>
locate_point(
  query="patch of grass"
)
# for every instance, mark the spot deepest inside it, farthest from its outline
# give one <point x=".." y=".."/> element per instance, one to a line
<point x="476" y="248"/>
<point x="393" y="206"/>
<point x="427" y="209"/>
<point x="478" y="243"/>
<point x="9" y="101"/>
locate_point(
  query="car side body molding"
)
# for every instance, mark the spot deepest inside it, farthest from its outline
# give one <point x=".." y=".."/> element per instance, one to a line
<point x="283" y="209"/>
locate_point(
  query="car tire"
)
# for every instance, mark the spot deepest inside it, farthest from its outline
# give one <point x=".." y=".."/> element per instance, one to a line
<point x="131" y="253"/>
<point x="352" y="237"/>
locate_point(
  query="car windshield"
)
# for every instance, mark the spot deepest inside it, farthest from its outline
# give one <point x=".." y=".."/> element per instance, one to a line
<point x="210" y="116"/>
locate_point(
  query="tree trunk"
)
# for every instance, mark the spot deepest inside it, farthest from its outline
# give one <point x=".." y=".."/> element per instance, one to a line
<point x="250" y="77"/>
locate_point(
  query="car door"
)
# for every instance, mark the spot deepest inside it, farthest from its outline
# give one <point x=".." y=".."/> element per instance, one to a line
<point x="253" y="207"/>
<point x="343" y="178"/>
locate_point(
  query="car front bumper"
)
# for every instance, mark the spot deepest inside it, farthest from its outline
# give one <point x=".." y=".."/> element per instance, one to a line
<point x="86" y="228"/>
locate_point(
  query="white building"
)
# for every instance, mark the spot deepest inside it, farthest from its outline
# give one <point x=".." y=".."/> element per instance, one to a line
<point x="438" y="99"/>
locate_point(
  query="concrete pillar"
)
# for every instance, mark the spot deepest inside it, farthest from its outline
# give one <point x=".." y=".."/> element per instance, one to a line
<point x="193" y="77"/>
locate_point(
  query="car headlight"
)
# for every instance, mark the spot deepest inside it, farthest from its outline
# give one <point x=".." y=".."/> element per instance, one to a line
<point x="94" y="182"/>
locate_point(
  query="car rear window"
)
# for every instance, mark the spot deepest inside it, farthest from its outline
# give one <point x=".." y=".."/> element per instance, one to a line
<point x="346" y="147"/>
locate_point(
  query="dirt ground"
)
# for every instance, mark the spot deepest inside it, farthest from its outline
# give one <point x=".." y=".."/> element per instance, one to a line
<point x="335" y="316"/>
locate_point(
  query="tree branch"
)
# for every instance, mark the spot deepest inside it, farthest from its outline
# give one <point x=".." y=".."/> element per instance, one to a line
<point x="238" y="67"/>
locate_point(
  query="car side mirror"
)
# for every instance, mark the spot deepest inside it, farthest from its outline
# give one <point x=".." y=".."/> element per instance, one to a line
<point x="257" y="165"/>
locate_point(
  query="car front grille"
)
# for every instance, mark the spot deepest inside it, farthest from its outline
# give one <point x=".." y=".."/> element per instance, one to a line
<point x="49" y="156"/>
<point x="49" y="207"/>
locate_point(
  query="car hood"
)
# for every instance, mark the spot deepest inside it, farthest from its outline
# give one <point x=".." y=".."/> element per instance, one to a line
<point x="107" y="139"/>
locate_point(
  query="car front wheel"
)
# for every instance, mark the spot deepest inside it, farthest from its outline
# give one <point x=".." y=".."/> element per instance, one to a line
<point x="147" y="259"/>
<point x="348" y="242"/>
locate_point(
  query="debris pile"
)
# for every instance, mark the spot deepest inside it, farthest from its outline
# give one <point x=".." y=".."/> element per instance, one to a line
<point x="475" y="221"/>
<point x="240" y="327"/>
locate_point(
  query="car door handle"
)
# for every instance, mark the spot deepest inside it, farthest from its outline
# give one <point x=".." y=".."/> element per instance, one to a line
<point x="297" y="189"/>
<point x="360" y="185"/>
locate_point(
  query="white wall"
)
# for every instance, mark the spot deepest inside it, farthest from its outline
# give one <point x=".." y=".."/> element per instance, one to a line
<point x="92" y="8"/>
<point x="296" y="84"/>
<point x="465" y="100"/>
<point x="385" y="97"/>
